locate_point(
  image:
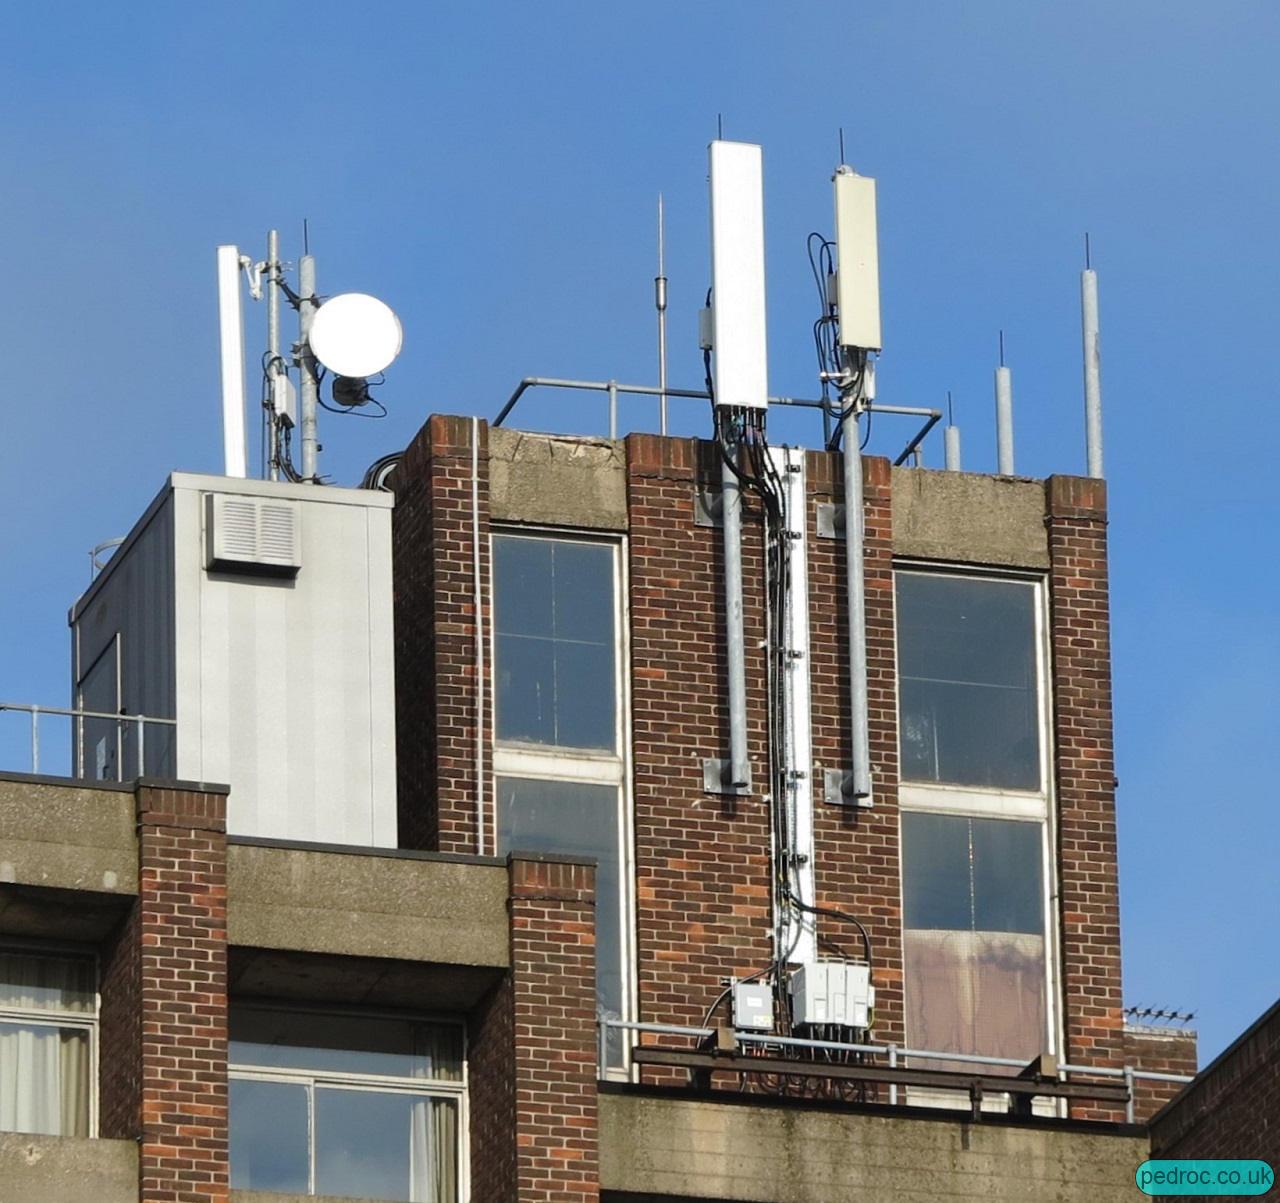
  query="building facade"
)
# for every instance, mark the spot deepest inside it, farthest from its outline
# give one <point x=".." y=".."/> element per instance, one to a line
<point x="532" y="995"/>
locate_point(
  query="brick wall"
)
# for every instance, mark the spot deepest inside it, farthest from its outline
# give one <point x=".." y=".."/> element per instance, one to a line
<point x="435" y="635"/>
<point x="1160" y="1050"/>
<point x="1081" y="647"/>
<point x="702" y="860"/>
<point x="1232" y="1110"/>
<point x="182" y="992"/>
<point x="120" y="1031"/>
<point x="491" y="1088"/>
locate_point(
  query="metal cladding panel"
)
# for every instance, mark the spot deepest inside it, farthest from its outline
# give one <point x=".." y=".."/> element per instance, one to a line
<point x="286" y="684"/>
<point x="133" y="599"/>
<point x="737" y="275"/>
<point x="857" y="261"/>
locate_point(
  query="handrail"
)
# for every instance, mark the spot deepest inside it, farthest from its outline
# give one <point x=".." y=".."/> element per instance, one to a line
<point x="36" y="712"/>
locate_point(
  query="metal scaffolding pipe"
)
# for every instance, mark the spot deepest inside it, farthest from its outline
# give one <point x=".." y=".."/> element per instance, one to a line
<point x="1092" y="370"/>
<point x="855" y="573"/>
<point x="735" y="643"/>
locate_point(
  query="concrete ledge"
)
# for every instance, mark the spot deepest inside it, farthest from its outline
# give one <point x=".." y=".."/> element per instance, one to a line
<point x="301" y="900"/>
<point x="67" y="1169"/>
<point x="966" y="518"/>
<point x="560" y="481"/>
<point x="654" y="1145"/>
<point x="68" y="837"/>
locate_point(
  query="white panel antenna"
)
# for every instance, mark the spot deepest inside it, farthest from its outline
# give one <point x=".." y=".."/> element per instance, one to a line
<point x="737" y="275"/>
<point x="857" y="260"/>
<point x="235" y="449"/>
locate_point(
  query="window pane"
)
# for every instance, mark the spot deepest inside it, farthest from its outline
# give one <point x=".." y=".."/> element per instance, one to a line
<point x="1008" y="876"/>
<point x="44" y="1079"/>
<point x="574" y="820"/>
<point x="268" y="1136"/>
<point x="345" y="1044"/>
<point x="386" y="1146"/>
<point x="967" y="681"/>
<point x="555" y="645"/>
<point x="46" y="983"/>
<point x="936" y="889"/>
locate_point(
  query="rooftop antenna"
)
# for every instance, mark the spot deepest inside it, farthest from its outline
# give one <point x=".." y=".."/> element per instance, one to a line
<point x="1091" y="338"/>
<point x="951" y="439"/>
<point x="841" y="144"/>
<point x="719" y="127"/>
<point x="235" y="452"/>
<point x="304" y="359"/>
<point x="660" y="303"/>
<point x="1004" y="416"/>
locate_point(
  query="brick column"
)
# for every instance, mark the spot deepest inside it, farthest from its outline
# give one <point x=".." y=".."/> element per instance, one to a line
<point x="1076" y="516"/>
<point x="702" y="860"/>
<point x="856" y="859"/>
<point x="533" y="1046"/>
<point x="182" y="929"/>
<point x="435" y="635"/>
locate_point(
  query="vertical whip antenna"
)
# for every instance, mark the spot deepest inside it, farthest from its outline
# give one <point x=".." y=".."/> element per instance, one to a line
<point x="1091" y="340"/>
<point x="660" y="304"/>
<point x="1004" y="416"/>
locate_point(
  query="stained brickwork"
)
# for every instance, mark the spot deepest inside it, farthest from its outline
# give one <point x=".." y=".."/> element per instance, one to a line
<point x="120" y="1031"/>
<point x="182" y="974"/>
<point x="1089" y="915"/>
<point x="1160" y="1050"/>
<point x="435" y="634"/>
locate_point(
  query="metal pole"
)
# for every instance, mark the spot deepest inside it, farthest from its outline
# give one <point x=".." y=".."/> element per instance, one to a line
<point x="660" y="301"/>
<point x="1092" y="369"/>
<point x="142" y="745"/>
<point x="951" y="438"/>
<point x="735" y="644"/>
<point x="35" y="739"/>
<point x="613" y="409"/>
<point x="478" y="605"/>
<point x="855" y="575"/>
<point x="1004" y="421"/>
<point x="307" y="364"/>
<point x="893" y="1086"/>
<point x="273" y="350"/>
<point x="1129" y="1103"/>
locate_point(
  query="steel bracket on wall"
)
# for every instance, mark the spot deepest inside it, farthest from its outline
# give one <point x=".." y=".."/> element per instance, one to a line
<point x="838" y="790"/>
<point x="717" y="778"/>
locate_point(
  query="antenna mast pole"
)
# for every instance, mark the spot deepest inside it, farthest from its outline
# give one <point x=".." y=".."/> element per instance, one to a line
<point x="660" y="303"/>
<point x="307" y="365"/>
<point x="273" y="351"/>
<point x="1092" y="363"/>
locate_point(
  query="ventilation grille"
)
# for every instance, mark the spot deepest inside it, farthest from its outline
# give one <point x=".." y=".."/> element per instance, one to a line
<point x="252" y="534"/>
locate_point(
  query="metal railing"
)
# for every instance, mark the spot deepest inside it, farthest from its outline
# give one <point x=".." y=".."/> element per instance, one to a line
<point x="123" y="722"/>
<point x="614" y="390"/>
<point x="893" y="1054"/>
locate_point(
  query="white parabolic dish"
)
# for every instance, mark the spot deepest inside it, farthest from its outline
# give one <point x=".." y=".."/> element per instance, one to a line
<point x="356" y="335"/>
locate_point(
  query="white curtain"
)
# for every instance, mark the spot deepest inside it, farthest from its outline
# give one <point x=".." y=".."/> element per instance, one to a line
<point x="433" y="1152"/>
<point x="44" y="1080"/>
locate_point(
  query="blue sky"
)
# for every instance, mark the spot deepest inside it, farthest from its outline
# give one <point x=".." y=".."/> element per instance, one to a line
<point x="491" y="170"/>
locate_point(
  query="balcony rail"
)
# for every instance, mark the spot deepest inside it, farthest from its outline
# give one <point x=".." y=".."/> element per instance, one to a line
<point x="137" y="723"/>
<point x="733" y="1051"/>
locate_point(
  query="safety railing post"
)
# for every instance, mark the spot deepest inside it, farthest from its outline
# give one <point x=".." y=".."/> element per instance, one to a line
<point x="893" y="1086"/>
<point x="142" y="746"/>
<point x="35" y="739"/>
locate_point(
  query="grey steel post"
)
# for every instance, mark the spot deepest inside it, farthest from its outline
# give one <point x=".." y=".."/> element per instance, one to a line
<point x="613" y="409"/>
<point x="142" y="745"/>
<point x="309" y="391"/>
<point x="1092" y="369"/>
<point x="602" y="1045"/>
<point x="735" y="644"/>
<point x="855" y="574"/>
<point x="951" y="442"/>
<point x="893" y="1064"/>
<point x="1129" y="1102"/>
<point x="35" y="739"/>
<point x="273" y="349"/>
<point x="1004" y="421"/>
<point x="660" y="303"/>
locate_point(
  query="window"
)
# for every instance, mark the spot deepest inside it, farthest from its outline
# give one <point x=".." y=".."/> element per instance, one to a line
<point x="975" y="815"/>
<point x="561" y="753"/>
<point x="967" y="679"/>
<point x="48" y="1021"/>
<point x="346" y="1105"/>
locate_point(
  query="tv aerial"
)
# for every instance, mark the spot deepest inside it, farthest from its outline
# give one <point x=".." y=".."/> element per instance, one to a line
<point x="353" y="337"/>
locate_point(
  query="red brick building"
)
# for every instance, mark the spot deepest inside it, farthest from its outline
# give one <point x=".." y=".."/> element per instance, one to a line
<point x="492" y="1008"/>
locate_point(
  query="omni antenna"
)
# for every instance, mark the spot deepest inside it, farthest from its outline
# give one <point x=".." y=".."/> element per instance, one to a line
<point x="660" y="303"/>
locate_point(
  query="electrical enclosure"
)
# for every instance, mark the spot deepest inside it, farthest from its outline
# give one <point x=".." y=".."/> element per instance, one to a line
<point x="752" y="1007"/>
<point x="832" y="992"/>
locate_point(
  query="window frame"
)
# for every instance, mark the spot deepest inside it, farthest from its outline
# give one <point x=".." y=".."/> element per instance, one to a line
<point x="545" y="762"/>
<point x="457" y="1091"/>
<point x="1036" y="806"/>
<point x="87" y="1021"/>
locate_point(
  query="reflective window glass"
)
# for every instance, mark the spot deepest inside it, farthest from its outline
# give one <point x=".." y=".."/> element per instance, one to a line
<point x="267" y="1134"/>
<point x="967" y="681"/>
<point x="555" y="642"/>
